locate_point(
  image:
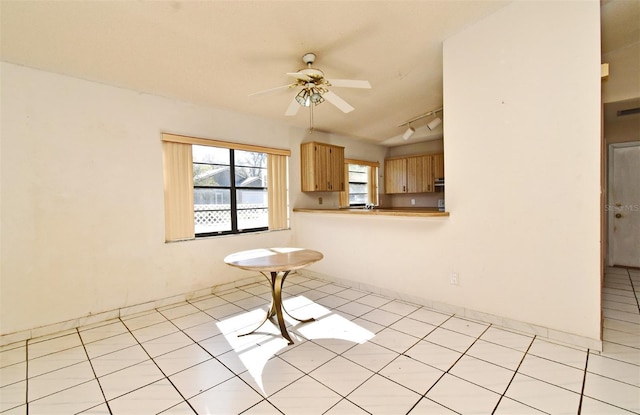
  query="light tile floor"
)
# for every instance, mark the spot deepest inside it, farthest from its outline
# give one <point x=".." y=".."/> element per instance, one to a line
<point x="364" y="354"/>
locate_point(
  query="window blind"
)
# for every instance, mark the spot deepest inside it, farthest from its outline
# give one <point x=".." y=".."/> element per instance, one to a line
<point x="277" y="191"/>
<point x="178" y="191"/>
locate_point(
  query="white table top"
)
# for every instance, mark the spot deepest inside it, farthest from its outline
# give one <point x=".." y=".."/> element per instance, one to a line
<point x="273" y="259"/>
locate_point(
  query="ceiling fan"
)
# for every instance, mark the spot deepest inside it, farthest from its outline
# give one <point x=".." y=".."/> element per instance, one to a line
<point x="315" y="88"/>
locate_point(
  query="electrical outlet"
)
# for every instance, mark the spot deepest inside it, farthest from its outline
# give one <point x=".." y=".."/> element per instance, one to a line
<point x="454" y="278"/>
<point x="319" y="200"/>
<point x="413" y="201"/>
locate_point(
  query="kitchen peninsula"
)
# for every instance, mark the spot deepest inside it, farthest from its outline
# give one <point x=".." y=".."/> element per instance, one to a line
<point x="411" y="212"/>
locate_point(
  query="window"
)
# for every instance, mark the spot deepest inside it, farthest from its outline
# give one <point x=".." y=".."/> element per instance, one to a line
<point x="230" y="191"/>
<point x="216" y="188"/>
<point x="358" y="189"/>
<point x="362" y="177"/>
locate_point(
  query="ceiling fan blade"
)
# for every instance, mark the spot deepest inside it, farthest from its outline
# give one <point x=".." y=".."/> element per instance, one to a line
<point x="293" y="107"/>
<point x="337" y="101"/>
<point x="267" y="91"/>
<point x="349" y="83"/>
<point x="300" y="76"/>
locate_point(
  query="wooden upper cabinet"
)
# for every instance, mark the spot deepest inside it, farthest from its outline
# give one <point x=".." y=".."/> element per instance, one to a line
<point x="438" y="166"/>
<point x="322" y="167"/>
<point x="395" y="175"/>
<point x="419" y="174"/>
<point x="413" y="174"/>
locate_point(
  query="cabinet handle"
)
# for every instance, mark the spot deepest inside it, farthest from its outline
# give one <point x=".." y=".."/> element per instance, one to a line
<point x="404" y="188"/>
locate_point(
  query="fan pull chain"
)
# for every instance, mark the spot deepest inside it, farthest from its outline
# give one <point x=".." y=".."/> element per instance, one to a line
<point x="310" y="118"/>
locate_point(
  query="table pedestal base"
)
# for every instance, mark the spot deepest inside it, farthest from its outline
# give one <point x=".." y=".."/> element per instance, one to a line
<point x="276" y="308"/>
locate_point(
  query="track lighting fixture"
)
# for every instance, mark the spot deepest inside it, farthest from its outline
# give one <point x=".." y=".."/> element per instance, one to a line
<point x="431" y="125"/>
<point x="434" y="123"/>
<point x="407" y="134"/>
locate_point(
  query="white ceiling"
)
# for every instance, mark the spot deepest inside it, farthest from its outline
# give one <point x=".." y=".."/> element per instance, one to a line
<point x="218" y="52"/>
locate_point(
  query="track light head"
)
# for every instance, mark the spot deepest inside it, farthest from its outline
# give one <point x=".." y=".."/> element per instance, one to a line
<point x="407" y="134"/>
<point x="434" y="123"/>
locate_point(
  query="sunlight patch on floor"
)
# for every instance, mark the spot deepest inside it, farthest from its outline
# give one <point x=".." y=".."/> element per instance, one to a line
<point x="255" y="350"/>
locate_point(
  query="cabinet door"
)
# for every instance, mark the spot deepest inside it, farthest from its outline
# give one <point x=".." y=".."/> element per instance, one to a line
<point x="427" y="175"/>
<point x="414" y="174"/>
<point x="395" y="176"/>
<point x="322" y="168"/>
<point x="419" y="174"/>
<point x="308" y="167"/>
<point x="438" y="166"/>
<point x="336" y="168"/>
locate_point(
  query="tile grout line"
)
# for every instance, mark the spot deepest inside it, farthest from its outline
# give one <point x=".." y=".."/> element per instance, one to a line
<point x="341" y="354"/>
<point x="419" y="339"/>
<point x="26" y="377"/>
<point x="44" y="374"/>
<point x="95" y="375"/>
<point x="264" y="398"/>
<point x="460" y="358"/>
<point x="199" y="345"/>
<point x="515" y="372"/>
<point x="584" y="381"/>
<point x="156" y="364"/>
<point x="258" y="403"/>
<point x="424" y="395"/>
<point x="633" y="289"/>
<point x="342" y="397"/>
<point x="334" y="310"/>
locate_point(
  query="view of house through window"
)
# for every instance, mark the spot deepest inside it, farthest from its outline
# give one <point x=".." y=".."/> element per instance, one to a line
<point x="358" y="184"/>
<point x="230" y="190"/>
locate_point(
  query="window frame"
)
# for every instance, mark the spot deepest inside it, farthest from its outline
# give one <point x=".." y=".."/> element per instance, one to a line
<point x="372" y="187"/>
<point x="366" y="183"/>
<point x="179" y="187"/>
<point x="233" y="198"/>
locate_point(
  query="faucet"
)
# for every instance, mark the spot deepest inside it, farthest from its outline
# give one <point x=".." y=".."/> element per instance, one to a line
<point x="369" y="206"/>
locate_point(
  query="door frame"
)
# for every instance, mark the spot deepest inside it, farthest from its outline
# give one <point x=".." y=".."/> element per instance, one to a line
<point x="609" y="210"/>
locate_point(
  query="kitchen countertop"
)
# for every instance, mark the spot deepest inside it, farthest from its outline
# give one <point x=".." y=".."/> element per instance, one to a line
<point x="415" y="212"/>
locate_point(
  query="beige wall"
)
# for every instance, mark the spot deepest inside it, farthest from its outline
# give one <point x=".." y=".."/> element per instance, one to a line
<point x="623" y="81"/>
<point x="539" y="156"/>
<point x="82" y="221"/>
<point x="522" y="168"/>
<point x="623" y="130"/>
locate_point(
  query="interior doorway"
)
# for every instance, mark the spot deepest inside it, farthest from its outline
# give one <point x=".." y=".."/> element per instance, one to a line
<point x="623" y="204"/>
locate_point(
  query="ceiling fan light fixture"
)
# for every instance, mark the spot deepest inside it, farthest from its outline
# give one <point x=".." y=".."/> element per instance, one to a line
<point x="309" y="95"/>
<point x="315" y="89"/>
<point x="304" y="98"/>
<point x="316" y="96"/>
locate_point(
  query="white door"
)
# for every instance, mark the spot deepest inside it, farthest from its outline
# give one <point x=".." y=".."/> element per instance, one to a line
<point x="624" y="204"/>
